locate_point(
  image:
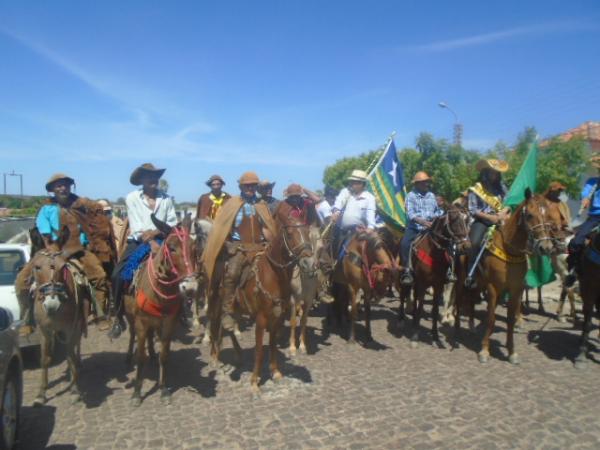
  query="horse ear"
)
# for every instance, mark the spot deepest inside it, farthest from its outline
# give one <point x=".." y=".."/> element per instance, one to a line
<point x="187" y="221"/>
<point x="528" y="193"/>
<point x="163" y="227"/>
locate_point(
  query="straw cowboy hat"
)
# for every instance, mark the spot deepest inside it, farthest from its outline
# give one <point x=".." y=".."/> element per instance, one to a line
<point x="595" y="161"/>
<point x="215" y="178"/>
<point x="495" y="164"/>
<point x="105" y="205"/>
<point x="293" y="189"/>
<point x="421" y="176"/>
<point x="146" y="168"/>
<point x="58" y="177"/>
<point x="358" y="175"/>
<point x="248" y="178"/>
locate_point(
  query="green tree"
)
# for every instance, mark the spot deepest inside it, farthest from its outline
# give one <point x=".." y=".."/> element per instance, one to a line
<point x="163" y="185"/>
<point x="336" y="174"/>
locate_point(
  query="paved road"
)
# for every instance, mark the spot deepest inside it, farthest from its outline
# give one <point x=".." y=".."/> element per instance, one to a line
<point x="382" y="395"/>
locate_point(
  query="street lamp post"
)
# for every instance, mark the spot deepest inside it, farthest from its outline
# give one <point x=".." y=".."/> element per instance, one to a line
<point x="13" y="174"/>
<point x="458" y="128"/>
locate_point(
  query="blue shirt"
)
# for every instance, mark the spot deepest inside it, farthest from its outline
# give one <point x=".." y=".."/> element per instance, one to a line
<point x="422" y="206"/>
<point x="247" y="210"/>
<point x="590" y="184"/>
<point x="48" y="222"/>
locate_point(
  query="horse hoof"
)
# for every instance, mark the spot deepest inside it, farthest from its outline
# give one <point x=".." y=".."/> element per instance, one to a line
<point x="76" y="398"/>
<point x="205" y="340"/>
<point x="514" y="359"/>
<point x="351" y="342"/>
<point x="165" y="397"/>
<point x="277" y="376"/>
<point x="136" y="401"/>
<point x="302" y="349"/>
<point x="292" y="352"/>
<point x="414" y="343"/>
<point x="40" y="400"/>
<point x="483" y="358"/>
<point x="562" y="319"/>
<point x="237" y="332"/>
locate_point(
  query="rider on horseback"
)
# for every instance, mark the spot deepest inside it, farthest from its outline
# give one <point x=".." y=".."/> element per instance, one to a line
<point x="265" y="189"/>
<point x="88" y="230"/>
<point x="240" y="231"/>
<point x="210" y="203"/>
<point x="141" y="204"/>
<point x="485" y="206"/>
<point x="590" y="196"/>
<point x="422" y="208"/>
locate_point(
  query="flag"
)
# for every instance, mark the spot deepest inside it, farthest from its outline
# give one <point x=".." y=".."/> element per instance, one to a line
<point x="386" y="182"/>
<point x="526" y="178"/>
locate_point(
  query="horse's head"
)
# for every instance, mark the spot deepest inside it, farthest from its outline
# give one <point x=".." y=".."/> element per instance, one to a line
<point x="533" y="217"/>
<point x="453" y="228"/>
<point x="381" y="266"/>
<point x="295" y="237"/>
<point x="49" y="279"/>
<point x="177" y="255"/>
<point x="201" y="230"/>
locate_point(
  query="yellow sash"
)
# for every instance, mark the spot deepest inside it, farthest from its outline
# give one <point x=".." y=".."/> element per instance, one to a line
<point x="500" y="253"/>
<point x="493" y="200"/>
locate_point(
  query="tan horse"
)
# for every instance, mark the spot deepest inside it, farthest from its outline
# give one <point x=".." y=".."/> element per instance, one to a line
<point x="367" y="266"/>
<point x="432" y="255"/>
<point x="589" y="287"/>
<point x="504" y="265"/>
<point x="153" y="306"/>
<point x="265" y="293"/>
<point x="60" y="305"/>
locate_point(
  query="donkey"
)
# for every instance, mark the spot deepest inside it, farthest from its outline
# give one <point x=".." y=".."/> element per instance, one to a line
<point x="61" y="299"/>
<point x="432" y="255"/>
<point x="152" y="306"/>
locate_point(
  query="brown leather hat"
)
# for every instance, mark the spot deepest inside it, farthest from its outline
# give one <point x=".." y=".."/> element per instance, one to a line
<point x="215" y="178"/>
<point x="58" y="177"/>
<point x="249" y="178"/>
<point x="136" y="176"/>
<point x="556" y="186"/>
<point x="293" y="189"/>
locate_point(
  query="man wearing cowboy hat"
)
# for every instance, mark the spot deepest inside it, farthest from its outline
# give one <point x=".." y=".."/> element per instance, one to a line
<point x="485" y="206"/>
<point x="116" y="223"/>
<point x="558" y="210"/>
<point x="240" y="230"/>
<point x="421" y="209"/>
<point x="210" y="203"/>
<point x="89" y="239"/>
<point x="590" y="200"/>
<point x="265" y="189"/>
<point x="141" y="203"/>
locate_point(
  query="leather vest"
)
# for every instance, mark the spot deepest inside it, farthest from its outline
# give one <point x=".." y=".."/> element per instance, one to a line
<point x="250" y="230"/>
<point x="70" y="221"/>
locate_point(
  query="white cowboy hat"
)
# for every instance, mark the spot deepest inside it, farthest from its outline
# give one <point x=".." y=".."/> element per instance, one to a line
<point x="358" y="175"/>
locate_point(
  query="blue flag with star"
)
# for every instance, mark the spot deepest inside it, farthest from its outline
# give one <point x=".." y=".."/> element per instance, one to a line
<point x="386" y="182"/>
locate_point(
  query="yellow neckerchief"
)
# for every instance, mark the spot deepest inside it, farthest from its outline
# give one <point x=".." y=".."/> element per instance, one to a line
<point x="495" y="201"/>
<point x="217" y="203"/>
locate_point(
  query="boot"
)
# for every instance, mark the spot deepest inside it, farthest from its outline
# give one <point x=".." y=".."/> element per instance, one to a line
<point x="119" y="325"/>
<point x="406" y="277"/>
<point x="573" y="263"/>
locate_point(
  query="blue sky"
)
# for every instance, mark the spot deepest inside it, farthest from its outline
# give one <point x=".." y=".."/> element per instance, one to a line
<point x="280" y="87"/>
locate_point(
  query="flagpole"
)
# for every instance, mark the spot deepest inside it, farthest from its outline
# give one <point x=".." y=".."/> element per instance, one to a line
<point x="372" y="167"/>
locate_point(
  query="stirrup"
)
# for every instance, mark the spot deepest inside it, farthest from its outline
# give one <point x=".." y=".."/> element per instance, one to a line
<point x="406" y="278"/>
<point x="470" y="283"/>
<point x="118" y="327"/>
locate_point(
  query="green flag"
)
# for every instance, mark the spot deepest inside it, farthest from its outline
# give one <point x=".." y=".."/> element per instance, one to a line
<point x="526" y="178"/>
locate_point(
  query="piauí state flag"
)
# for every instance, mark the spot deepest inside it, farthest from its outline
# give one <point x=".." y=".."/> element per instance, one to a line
<point x="386" y="182"/>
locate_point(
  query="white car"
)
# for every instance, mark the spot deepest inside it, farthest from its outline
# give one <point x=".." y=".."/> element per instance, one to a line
<point x="12" y="258"/>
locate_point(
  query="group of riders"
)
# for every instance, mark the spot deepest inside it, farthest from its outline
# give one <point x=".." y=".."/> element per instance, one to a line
<point x="108" y="251"/>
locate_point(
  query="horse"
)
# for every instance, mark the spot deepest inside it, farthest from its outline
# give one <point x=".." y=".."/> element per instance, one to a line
<point x="154" y="302"/>
<point x="432" y="254"/>
<point x="264" y="293"/>
<point x="305" y="288"/>
<point x="366" y="265"/>
<point x="61" y="299"/>
<point x="589" y="288"/>
<point x="503" y="266"/>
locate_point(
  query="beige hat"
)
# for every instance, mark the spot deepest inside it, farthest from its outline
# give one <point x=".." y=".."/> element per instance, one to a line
<point x="495" y="164"/>
<point x="421" y="176"/>
<point x="58" y="177"/>
<point x="249" y="178"/>
<point x="105" y="205"/>
<point x="358" y="175"/>
<point x="136" y="176"/>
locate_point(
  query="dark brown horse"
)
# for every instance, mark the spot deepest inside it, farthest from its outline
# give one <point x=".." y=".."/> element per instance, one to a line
<point x="367" y="266"/>
<point x="60" y="302"/>
<point x="504" y="265"/>
<point x="589" y="288"/>
<point x="153" y="304"/>
<point x="431" y="256"/>
<point x="265" y="293"/>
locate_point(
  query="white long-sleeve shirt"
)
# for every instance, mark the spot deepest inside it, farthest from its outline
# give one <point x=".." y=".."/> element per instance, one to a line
<point x="138" y="212"/>
<point x="356" y="209"/>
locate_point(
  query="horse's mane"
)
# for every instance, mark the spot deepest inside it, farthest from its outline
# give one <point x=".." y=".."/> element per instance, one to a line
<point x="205" y="226"/>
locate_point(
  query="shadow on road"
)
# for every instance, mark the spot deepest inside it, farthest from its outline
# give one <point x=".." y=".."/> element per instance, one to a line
<point x="36" y="427"/>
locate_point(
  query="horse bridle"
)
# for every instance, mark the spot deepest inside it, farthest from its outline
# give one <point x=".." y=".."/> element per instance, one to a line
<point x="534" y="242"/>
<point x="52" y="287"/>
<point x="296" y="252"/>
<point x="453" y="238"/>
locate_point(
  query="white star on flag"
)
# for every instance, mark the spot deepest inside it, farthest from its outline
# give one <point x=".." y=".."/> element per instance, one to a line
<point x="393" y="173"/>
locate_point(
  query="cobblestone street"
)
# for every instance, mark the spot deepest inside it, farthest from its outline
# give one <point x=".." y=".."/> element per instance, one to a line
<point x="381" y="395"/>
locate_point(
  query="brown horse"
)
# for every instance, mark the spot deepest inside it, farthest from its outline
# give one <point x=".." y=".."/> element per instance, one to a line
<point x="60" y="302"/>
<point x="431" y="256"/>
<point x="368" y="266"/>
<point x="503" y="266"/>
<point x="153" y="305"/>
<point x="265" y="293"/>
<point x="589" y="287"/>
